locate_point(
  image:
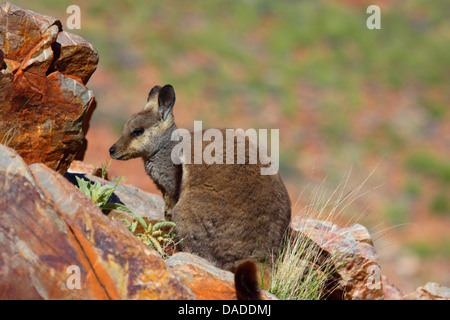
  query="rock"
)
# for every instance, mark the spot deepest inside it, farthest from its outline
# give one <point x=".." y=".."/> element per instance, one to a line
<point x="44" y="106"/>
<point x="81" y="167"/>
<point x="391" y="292"/>
<point x="39" y="59"/>
<point x="359" y="232"/>
<point x="48" y="226"/>
<point x="143" y="204"/>
<point x="22" y="30"/>
<point x="8" y="68"/>
<point x="206" y="281"/>
<point x="356" y="261"/>
<point x="429" y="291"/>
<point x="74" y="56"/>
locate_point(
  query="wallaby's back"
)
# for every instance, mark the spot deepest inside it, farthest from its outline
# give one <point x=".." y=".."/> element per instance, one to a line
<point x="229" y="213"/>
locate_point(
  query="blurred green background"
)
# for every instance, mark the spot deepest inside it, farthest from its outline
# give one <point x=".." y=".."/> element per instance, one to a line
<point x="347" y="100"/>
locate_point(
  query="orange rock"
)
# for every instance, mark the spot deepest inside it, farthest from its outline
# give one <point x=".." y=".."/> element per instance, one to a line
<point x="206" y="281"/>
<point x="23" y="30"/>
<point x="36" y="246"/>
<point x="49" y="225"/>
<point x="74" y="56"/>
<point x="44" y="112"/>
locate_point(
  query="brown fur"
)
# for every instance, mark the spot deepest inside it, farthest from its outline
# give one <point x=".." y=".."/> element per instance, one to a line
<point x="225" y="213"/>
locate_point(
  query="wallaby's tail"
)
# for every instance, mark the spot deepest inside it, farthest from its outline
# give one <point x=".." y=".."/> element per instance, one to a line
<point x="246" y="281"/>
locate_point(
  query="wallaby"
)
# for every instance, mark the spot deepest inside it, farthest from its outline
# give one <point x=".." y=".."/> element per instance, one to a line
<point x="225" y="213"/>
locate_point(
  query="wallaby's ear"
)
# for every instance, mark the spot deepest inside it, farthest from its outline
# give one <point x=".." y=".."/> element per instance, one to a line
<point x="153" y="93"/>
<point x="152" y="99"/>
<point x="166" y="100"/>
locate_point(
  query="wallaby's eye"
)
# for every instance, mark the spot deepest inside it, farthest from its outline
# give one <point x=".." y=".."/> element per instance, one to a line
<point x="137" y="132"/>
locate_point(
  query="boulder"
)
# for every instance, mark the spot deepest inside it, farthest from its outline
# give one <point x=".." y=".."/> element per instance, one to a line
<point x="144" y="204"/>
<point x="74" y="56"/>
<point x="44" y="104"/>
<point x="355" y="260"/>
<point x="206" y="281"/>
<point x="429" y="291"/>
<point x="49" y="228"/>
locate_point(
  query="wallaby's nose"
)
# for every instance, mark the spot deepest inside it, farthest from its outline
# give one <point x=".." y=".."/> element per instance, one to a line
<point x="112" y="150"/>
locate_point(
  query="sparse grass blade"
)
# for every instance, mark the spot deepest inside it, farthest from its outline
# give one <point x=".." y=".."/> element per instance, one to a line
<point x="302" y="271"/>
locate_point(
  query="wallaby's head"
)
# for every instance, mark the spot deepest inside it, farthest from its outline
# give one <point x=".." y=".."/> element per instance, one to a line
<point x="149" y="130"/>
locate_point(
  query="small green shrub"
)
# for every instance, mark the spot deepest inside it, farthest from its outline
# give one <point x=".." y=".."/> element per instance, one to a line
<point x="100" y="194"/>
<point x="153" y="234"/>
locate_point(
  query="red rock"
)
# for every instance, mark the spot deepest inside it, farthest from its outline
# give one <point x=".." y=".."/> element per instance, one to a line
<point x="359" y="232"/>
<point x="49" y="225"/>
<point x="8" y="68"/>
<point x="44" y="113"/>
<point x="39" y="59"/>
<point x="22" y="30"/>
<point x="47" y="117"/>
<point x="36" y="246"/>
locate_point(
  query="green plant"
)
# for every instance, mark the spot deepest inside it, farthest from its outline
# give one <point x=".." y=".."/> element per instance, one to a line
<point x="105" y="168"/>
<point x="100" y="193"/>
<point x="153" y="234"/>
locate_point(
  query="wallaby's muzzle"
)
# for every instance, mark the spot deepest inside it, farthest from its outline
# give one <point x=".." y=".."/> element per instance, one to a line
<point x="117" y="154"/>
<point x="112" y="150"/>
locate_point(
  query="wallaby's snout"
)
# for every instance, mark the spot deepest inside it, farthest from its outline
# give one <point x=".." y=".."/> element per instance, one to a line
<point x="112" y="150"/>
<point x="145" y="132"/>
